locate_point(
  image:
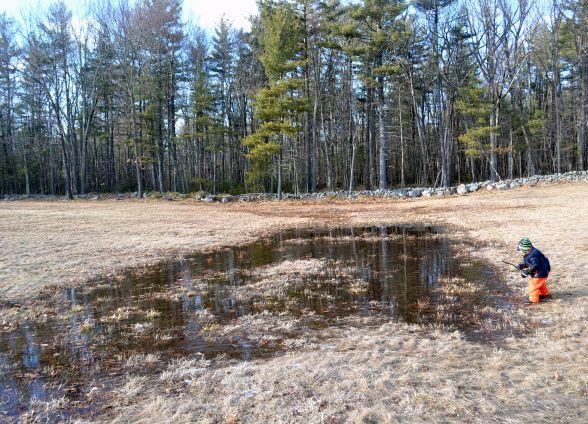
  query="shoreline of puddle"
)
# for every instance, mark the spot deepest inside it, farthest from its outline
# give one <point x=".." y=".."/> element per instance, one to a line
<point x="246" y="302"/>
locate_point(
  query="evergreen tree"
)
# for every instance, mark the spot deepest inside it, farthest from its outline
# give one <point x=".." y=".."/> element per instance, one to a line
<point x="381" y="30"/>
<point x="277" y="105"/>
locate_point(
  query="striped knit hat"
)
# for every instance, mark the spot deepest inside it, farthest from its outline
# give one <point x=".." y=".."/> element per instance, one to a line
<point x="525" y="245"/>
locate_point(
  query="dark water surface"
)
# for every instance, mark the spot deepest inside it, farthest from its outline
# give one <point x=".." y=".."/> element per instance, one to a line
<point x="186" y="307"/>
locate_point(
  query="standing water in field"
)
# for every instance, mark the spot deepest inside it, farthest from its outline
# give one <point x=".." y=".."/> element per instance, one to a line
<point x="243" y="303"/>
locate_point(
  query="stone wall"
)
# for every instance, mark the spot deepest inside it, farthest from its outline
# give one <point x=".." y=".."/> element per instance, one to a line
<point x="461" y="189"/>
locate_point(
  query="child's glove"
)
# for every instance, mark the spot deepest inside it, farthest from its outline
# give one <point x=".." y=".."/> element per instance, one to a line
<point x="520" y="267"/>
<point x="525" y="274"/>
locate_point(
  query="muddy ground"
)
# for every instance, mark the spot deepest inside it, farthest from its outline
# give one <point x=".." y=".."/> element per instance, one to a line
<point x="384" y="373"/>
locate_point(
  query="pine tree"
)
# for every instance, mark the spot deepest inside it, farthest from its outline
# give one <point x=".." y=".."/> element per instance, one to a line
<point x="222" y="64"/>
<point x="381" y="30"/>
<point x="475" y="107"/>
<point x="278" y="104"/>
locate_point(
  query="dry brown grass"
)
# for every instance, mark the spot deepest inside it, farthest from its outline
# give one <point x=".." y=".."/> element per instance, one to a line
<point x="49" y="243"/>
<point x="391" y="373"/>
<point x="267" y="283"/>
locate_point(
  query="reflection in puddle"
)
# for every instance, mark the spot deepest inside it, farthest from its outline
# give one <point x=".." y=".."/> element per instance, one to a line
<point x="242" y="302"/>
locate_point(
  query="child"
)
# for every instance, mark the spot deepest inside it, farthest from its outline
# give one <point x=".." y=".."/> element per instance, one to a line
<point x="536" y="266"/>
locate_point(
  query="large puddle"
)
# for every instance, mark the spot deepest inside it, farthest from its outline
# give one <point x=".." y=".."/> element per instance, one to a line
<point x="243" y="303"/>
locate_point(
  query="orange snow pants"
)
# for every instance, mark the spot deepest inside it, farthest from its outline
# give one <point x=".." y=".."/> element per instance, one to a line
<point x="537" y="287"/>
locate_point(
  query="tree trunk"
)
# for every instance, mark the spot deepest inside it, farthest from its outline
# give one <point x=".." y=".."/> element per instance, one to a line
<point x="214" y="173"/>
<point x="442" y="120"/>
<point x="371" y="138"/>
<point x="402" y="180"/>
<point x="160" y="170"/>
<point x="472" y="169"/>
<point x="314" y="146"/>
<point x="556" y="99"/>
<point x="530" y="162"/>
<point x="136" y="149"/>
<point x="445" y="156"/>
<point x="583" y="124"/>
<point x="27" y="176"/>
<point x="510" y="152"/>
<point x="329" y="168"/>
<point x="52" y="178"/>
<point x="420" y="130"/>
<point x="171" y="124"/>
<point x="493" y="142"/>
<point x="84" y="164"/>
<point x="111" y="159"/>
<point x="66" y="163"/>
<point x="366" y="144"/>
<point x="383" y="180"/>
<point x="160" y="152"/>
<point x="352" y="167"/>
<point x="310" y="184"/>
<point x="280" y="175"/>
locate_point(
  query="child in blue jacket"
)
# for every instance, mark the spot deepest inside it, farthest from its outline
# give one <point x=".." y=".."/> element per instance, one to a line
<point x="536" y="266"/>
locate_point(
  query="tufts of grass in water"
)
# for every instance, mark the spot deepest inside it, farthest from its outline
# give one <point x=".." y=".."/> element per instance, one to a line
<point x="211" y="327"/>
<point x="86" y="326"/>
<point x="152" y="314"/>
<point x="142" y="360"/>
<point x="76" y="309"/>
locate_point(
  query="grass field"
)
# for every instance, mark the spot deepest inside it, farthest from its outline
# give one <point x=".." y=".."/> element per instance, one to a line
<point x="392" y="373"/>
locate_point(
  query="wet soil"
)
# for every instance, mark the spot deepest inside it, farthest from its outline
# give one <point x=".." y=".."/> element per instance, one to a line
<point x="244" y="303"/>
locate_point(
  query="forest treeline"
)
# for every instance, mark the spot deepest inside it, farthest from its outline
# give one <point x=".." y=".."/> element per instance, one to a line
<point x="317" y="95"/>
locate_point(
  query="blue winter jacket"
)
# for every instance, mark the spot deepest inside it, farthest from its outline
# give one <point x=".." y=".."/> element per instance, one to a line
<point x="537" y="263"/>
